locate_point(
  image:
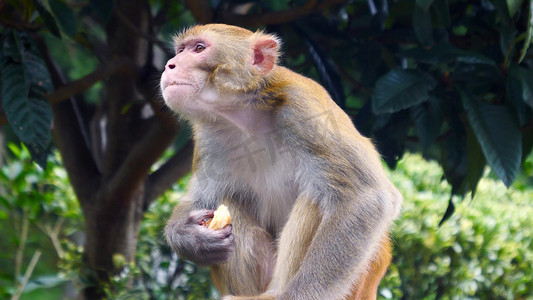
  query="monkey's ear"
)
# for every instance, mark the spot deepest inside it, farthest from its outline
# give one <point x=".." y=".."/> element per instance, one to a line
<point x="265" y="53"/>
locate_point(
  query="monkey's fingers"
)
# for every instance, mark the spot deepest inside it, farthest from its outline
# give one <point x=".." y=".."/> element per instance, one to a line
<point x="200" y="216"/>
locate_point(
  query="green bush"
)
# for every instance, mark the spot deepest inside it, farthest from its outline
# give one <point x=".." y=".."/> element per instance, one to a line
<point x="484" y="251"/>
<point x="38" y="210"/>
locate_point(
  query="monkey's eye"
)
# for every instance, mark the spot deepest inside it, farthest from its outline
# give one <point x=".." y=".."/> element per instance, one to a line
<point x="199" y="48"/>
<point x="180" y="50"/>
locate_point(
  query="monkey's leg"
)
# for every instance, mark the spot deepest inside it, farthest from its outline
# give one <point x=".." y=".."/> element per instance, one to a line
<point x="249" y="268"/>
<point x="322" y="253"/>
<point x="367" y="287"/>
<point x="296" y="237"/>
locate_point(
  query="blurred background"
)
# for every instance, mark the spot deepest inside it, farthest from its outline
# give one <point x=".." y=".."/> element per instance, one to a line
<point x="92" y="163"/>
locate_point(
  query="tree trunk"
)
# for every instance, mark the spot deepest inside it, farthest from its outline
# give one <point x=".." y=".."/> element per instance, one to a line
<point x="110" y="230"/>
<point x="109" y="166"/>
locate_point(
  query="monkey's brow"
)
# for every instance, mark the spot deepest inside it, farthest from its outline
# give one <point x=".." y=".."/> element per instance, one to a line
<point x="189" y="41"/>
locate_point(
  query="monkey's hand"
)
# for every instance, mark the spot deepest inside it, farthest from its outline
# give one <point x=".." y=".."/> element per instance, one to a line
<point x="192" y="240"/>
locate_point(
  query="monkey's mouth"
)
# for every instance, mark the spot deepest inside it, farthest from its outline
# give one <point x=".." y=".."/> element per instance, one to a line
<point x="176" y="83"/>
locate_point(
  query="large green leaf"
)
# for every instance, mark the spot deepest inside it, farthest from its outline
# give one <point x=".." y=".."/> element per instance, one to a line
<point x="454" y="157"/>
<point x="514" y="97"/>
<point x="48" y="19"/>
<point x="513" y="6"/>
<point x="441" y="9"/>
<point x="498" y="135"/>
<point x="400" y="89"/>
<point x="428" y="119"/>
<point x="503" y="12"/>
<point x="529" y="31"/>
<point x="445" y="53"/>
<point x="25" y="82"/>
<point x="525" y="76"/>
<point x="475" y="162"/>
<point x="424" y="4"/>
<point x="421" y="20"/>
<point x="64" y="16"/>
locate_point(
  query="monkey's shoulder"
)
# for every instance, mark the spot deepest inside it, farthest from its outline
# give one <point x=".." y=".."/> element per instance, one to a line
<point x="297" y="86"/>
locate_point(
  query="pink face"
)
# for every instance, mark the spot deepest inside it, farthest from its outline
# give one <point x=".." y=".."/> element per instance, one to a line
<point x="185" y="75"/>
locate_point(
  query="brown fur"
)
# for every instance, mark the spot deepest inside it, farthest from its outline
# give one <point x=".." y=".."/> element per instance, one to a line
<point x="311" y="205"/>
<point x="367" y="287"/>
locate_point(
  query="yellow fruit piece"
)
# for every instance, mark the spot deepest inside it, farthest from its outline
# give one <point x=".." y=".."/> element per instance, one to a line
<point x="220" y="219"/>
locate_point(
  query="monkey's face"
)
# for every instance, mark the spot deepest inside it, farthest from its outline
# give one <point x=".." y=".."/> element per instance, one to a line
<point x="216" y="68"/>
<point x="185" y="76"/>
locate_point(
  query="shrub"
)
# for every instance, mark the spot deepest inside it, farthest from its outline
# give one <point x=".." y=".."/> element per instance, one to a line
<point x="483" y="252"/>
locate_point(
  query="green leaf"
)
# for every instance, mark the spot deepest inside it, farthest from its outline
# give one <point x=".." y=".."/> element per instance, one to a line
<point x="525" y="76"/>
<point x="103" y="9"/>
<point x="64" y="16"/>
<point x="428" y="119"/>
<point x="48" y="19"/>
<point x="514" y="96"/>
<point x="44" y="282"/>
<point x="441" y="9"/>
<point x="421" y="20"/>
<point x="503" y="12"/>
<point x="475" y="162"/>
<point x="25" y="82"/>
<point x="448" y="213"/>
<point x="400" y="89"/>
<point x="424" y="4"/>
<point x="455" y="160"/>
<point x="445" y="53"/>
<point x="369" y="58"/>
<point x="513" y="6"/>
<point x="498" y="136"/>
<point x="529" y="31"/>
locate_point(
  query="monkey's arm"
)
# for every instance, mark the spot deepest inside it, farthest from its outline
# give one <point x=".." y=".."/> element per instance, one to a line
<point x="191" y="239"/>
<point x="340" y="242"/>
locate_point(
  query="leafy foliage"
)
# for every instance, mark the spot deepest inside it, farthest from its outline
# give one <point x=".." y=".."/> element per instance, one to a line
<point x="463" y="77"/>
<point x="452" y="79"/>
<point x="43" y="199"/>
<point x="400" y="89"/>
<point x="442" y="67"/>
<point x="482" y="252"/>
<point x="25" y="82"/>
<point x="38" y="211"/>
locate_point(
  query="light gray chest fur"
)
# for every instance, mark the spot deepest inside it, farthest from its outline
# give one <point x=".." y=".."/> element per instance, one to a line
<point x="263" y="165"/>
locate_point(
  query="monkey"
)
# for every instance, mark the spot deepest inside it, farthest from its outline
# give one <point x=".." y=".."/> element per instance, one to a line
<point x="310" y="202"/>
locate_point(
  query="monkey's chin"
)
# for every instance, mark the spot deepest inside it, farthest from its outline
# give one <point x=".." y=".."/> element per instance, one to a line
<point x="178" y="97"/>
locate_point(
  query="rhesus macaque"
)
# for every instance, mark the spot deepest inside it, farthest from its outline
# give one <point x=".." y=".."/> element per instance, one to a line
<point x="311" y="206"/>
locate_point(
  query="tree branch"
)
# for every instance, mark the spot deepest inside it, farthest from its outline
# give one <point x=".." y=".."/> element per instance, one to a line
<point x="149" y="37"/>
<point x="27" y="274"/>
<point x="276" y="17"/>
<point x="172" y="170"/>
<point x="140" y="159"/>
<point x="116" y="65"/>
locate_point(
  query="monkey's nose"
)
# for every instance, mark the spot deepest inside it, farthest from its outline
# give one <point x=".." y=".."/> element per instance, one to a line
<point x="171" y="66"/>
